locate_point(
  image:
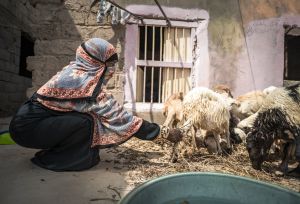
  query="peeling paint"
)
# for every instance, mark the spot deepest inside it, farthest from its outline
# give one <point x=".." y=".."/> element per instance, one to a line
<point x="174" y="12"/>
<point x="226" y="45"/>
<point x="263" y="9"/>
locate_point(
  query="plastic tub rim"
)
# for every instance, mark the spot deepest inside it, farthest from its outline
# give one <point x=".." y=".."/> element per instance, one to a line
<point x="143" y="186"/>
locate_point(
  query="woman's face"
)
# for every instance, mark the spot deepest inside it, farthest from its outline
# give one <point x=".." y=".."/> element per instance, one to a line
<point x="110" y="70"/>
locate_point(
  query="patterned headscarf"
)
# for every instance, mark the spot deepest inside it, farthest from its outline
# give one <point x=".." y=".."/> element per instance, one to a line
<point x="78" y="88"/>
<point x="81" y="78"/>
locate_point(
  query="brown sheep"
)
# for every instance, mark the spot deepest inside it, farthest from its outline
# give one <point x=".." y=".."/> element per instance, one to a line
<point x="172" y="110"/>
<point x="223" y="89"/>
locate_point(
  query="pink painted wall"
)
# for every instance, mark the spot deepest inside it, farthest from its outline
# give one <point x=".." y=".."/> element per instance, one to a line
<point x="238" y="44"/>
<point x="265" y="43"/>
<point x="131" y="37"/>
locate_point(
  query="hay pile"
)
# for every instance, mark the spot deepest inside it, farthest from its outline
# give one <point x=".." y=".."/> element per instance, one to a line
<point x="146" y="160"/>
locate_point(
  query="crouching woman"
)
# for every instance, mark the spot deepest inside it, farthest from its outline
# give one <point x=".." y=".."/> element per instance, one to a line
<point x="71" y="117"/>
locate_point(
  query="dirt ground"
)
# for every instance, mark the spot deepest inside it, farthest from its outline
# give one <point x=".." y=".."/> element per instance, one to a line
<point x="120" y="170"/>
<point x="145" y="160"/>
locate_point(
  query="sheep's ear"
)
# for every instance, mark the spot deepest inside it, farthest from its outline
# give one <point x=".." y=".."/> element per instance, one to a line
<point x="165" y="111"/>
<point x="181" y="95"/>
<point x="236" y="103"/>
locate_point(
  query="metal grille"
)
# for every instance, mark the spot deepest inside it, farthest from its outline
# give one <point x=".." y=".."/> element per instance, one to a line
<point x="164" y="62"/>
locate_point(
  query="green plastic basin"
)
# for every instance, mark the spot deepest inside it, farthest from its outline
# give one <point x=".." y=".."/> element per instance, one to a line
<point x="208" y="188"/>
<point x="5" y="138"/>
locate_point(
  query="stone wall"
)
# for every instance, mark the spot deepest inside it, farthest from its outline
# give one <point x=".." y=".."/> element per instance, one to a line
<point x="14" y="18"/>
<point x="58" y="27"/>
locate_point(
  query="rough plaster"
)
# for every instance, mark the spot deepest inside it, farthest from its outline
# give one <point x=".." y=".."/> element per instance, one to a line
<point x="222" y="54"/>
<point x="254" y="10"/>
<point x="200" y="69"/>
<point x="171" y="12"/>
<point x="265" y="41"/>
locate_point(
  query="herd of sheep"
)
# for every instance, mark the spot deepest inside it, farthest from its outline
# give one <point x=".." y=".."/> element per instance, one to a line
<point x="261" y="120"/>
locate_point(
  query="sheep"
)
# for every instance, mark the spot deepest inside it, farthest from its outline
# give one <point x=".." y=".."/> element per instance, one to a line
<point x="205" y="109"/>
<point x="278" y="118"/>
<point x="172" y="110"/>
<point x="247" y="123"/>
<point x="248" y="104"/>
<point x="223" y="89"/>
<point x="269" y="89"/>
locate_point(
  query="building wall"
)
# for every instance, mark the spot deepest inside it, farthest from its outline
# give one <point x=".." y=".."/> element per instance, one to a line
<point x="244" y="41"/>
<point x="58" y="27"/>
<point x="12" y="85"/>
<point x="263" y="23"/>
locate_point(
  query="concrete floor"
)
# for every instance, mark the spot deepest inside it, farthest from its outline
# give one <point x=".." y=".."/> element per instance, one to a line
<point x="22" y="182"/>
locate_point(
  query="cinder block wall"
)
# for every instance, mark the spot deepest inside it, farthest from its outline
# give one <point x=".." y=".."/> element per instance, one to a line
<point x="58" y="27"/>
<point x="12" y="85"/>
<point x="61" y="27"/>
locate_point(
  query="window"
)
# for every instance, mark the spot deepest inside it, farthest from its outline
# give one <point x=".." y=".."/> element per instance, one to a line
<point x="164" y="62"/>
<point x="26" y="50"/>
<point x="292" y="55"/>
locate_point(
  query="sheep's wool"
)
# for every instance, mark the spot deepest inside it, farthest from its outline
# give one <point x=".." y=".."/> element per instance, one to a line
<point x="286" y="99"/>
<point x="206" y="109"/>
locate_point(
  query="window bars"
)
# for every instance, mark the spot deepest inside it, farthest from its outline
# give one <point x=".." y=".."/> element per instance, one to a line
<point x="164" y="62"/>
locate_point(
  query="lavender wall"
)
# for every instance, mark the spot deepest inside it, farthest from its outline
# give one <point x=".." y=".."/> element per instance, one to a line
<point x="265" y="43"/>
<point x="239" y="43"/>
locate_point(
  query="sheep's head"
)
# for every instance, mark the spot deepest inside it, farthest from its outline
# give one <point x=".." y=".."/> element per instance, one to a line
<point x="164" y="131"/>
<point x="165" y="111"/>
<point x="235" y="108"/>
<point x="175" y="135"/>
<point x="222" y="88"/>
<point x="258" y="146"/>
<point x="173" y="112"/>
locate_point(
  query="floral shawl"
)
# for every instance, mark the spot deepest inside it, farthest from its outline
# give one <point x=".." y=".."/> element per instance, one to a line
<point x="77" y="87"/>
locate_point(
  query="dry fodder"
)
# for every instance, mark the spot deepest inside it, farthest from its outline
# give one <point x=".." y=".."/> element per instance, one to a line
<point x="146" y="160"/>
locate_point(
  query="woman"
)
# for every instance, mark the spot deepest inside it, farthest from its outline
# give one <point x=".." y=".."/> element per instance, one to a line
<point x="71" y="116"/>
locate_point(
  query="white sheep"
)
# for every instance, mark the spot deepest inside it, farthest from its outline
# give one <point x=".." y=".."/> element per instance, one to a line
<point x="173" y="110"/>
<point x="278" y="118"/>
<point x="247" y="123"/>
<point x="269" y="89"/>
<point x="205" y="109"/>
<point x="248" y="104"/>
